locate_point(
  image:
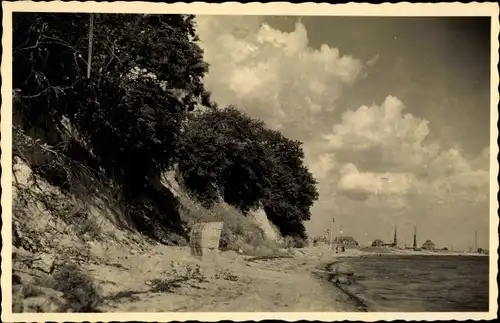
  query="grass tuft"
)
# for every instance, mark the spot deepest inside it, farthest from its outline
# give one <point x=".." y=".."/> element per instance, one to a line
<point x="80" y="291"/>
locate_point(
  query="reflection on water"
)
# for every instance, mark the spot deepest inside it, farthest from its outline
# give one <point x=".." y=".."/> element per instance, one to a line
<point x="423" y="283"/>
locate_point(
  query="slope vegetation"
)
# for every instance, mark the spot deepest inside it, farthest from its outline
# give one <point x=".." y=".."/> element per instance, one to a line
<point x="127" y="151"/>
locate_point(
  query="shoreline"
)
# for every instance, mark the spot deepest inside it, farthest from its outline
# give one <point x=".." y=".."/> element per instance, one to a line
<point x="345" y="282"/>
<point x="369" y="251"/>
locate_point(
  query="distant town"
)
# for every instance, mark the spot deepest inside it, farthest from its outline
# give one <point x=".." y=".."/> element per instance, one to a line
<point x="347" y="242"/>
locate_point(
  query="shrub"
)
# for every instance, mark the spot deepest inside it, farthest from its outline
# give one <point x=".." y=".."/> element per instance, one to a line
<point x="238" y="232"/>
<point x="80" y="292"/>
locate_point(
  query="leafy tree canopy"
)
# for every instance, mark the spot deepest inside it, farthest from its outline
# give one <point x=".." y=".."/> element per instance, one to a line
<point x="146" y="74"/>
<point x="134" y="113"/>
<point x="224" y="153"/>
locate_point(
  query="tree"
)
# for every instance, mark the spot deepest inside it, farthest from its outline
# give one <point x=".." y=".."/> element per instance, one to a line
<point x="293" y="189"/>
<point x="220" y="156"/>
<point x="147" y="74"/>
<point x="224" y="153"/>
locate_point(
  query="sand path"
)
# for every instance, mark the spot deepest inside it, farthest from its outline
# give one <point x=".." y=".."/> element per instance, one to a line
<point x="231" y="283"/>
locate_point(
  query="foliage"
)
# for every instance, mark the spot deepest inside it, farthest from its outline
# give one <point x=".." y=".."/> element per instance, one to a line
<point x="238" y="233"/>
<point x="135" y="116"/>
<point x="320" y="240"/>
<point x="220" y="156"/>
<point x="146" y="75"/>
<point x="346" y="240"/>
<point x="226" y="154"/>
<point x="79" y="290"/>
<point x="293" y="188"/>
<point x="126" y="119"/>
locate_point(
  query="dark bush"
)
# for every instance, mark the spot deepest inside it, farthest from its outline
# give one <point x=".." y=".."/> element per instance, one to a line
<point x="80" y="292"/>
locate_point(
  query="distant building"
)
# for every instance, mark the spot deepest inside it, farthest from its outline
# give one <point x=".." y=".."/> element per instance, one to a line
<point x="378" y="243"/>
<point x="393" y="244"/>
<point x="428" y="245"/>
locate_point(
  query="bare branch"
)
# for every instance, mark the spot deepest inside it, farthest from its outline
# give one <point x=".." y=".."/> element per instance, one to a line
<point x="61" y="43"/>
<point x="56" y="88"/>
<point x="34" y="95"/>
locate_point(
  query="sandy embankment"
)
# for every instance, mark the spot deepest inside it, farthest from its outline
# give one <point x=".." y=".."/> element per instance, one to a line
<point x="140" y="276"/>
<point x="231" y="283"/>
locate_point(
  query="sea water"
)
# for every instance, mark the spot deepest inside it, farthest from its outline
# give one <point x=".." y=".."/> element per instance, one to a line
<point x="422" y="283"/>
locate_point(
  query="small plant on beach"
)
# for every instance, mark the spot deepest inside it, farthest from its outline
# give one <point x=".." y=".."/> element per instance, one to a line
<point x="187" y="272"/>
<point x="179" y="275"/>
<point x="164" y="285"/>
<point x="225" y="274"/>
<point x="80" y="291"/>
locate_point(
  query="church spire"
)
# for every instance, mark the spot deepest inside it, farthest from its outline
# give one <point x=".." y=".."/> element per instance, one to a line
<point x="415" y="237"/>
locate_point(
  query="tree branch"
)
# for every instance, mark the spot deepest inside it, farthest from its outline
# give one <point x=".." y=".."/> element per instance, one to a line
<point x="38" y="41"/>
<point x="56" y="88"/>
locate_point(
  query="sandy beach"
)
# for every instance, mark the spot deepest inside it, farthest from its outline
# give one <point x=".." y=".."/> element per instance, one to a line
<point x="158" y="278"/>
<point x="230" y="283"/>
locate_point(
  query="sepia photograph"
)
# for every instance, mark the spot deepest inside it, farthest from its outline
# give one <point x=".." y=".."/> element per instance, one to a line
<point x="213" y="159"/>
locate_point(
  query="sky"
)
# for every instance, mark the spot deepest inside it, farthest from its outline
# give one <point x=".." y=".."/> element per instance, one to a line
<point x="393" y="114"/>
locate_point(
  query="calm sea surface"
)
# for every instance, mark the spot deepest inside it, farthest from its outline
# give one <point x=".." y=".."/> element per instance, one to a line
<point x="422" y="283"/>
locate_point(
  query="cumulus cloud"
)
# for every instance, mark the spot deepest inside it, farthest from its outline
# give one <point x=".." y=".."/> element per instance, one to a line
<point x="482" y="161"/>
<point x="469" y="187"/>
<point x="277" y="77"/>
<point x="273" y="75"/>
<point x="378" y="125"/>
<point x="447" y="163"/>
<point x="355" y="183"/>
<point x="382" y="136"/>
<point x="385" y="151"/>
<point x="322" y="165"/>
<point x="376" y="165"/>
